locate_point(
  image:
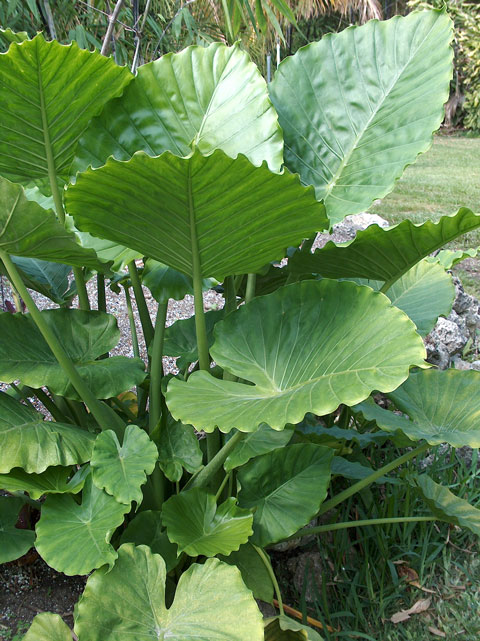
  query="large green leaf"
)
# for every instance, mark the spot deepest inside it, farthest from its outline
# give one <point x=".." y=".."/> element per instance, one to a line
<point x="211" y="603"/>
<point x="213" y="98"/>
<point x="14" y="542"/>
<point x="181" y="339"/>
<point x="308" y="347"/>
<point x="28" y="230"/>
<point x="282" y="628"/>
<point x="165" y="282"/>
<point x="447" y="506"/>
<point x="121" y="470"/>
<point x="55" y="480"/>
<point x="108" y="251"/>
<point x="254" y="573"/>
<point x="199" y="207"/>
<point x="287" y="488"/>
<point x="384" y="254"/>
<point x="75" y="538"/>
<point x="84" y="335"/>
<point x="48" y="627"/>
<point x="30" y="442"/>
<point x="49" y="93"/>
<point x="49" y="279"/>
<point x="256" y="443"/>
<point x="424" y="293"/>
<point x="442" y="407"/>
<point x="147" y="529"/>
<point x="360" y="105"/>
<point x="178" y="448"/>
<point x="198" y="526"/>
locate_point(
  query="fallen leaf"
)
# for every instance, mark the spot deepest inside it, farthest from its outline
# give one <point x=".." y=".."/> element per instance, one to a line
<point x="409" y="574"/>
<point x="437" y="632"/>
<point x="419" y="606"/>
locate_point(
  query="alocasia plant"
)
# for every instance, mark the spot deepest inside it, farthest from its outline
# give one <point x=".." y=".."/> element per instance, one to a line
<point x="186" y="165"/>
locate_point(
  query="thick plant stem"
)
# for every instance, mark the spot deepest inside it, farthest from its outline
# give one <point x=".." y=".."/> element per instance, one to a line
<point x="206" y="475"/>
<point x="49" y="405"/>
<point x="101" y="297"/>
<point x="349" y="524"/>
<point x="145" y="320"/>
<point x="131" y="322"/>
<point x="356" y="487"/>
<point x="83" y="301"/>
<point x="103" y="415"/>
<point x="268" y="566"/>
<point x="226" y="479"/>
<point x="156" y="367"/>
<point x="250" y="291"/>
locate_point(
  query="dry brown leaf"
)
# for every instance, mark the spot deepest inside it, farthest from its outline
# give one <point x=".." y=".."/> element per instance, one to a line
<point x="409" y="574"/>
<point x="419" y="606"/>
<point x="437" y="632"/>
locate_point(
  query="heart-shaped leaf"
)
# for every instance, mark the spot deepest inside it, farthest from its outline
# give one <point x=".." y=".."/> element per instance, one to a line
<point x="75" y="538"/>
<point x="167" y="107"/>
<point x="30" y="231"/>
<point x="442" y="407"/>
<point x="199" y="208"/>
<point x="424" y="293"/>
<point x="287" y="488"/>
<point x="447" y="506"/>
<point x="181" y="339"/>
<point x="48" y="627"/>
<point x="358" y="124"/>
<point x="147" y="529"/>
<point x="211" y="603"/>
<point x="122" y="469"/>
<point x="55" y="480"/>
<point x="282" y="628"/>
<point x="198" y="526"/>
<point x="49" y="279"/>
<point x="14" y="542"/>
<point x="178" y="448"/>
<point x="30" y="442"/>
<point x="257" y="443"/>
<point x="46" y="102"/>
<point x="308" y="347"/>
<point x="384" y="254"/>
<point x="254" y="573"/>
<point x="25" y="355"/>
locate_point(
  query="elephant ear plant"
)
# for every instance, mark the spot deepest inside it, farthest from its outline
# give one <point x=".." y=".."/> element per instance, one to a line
<point x="170" y="496"/>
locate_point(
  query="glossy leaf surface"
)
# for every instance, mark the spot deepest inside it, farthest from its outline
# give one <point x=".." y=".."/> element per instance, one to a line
<point x="46" y="102"/>
<point x="28" y="230"/>
<point x="257" y="443"/>
<point x="205" y="206"/>
<point x="198" y="526"/>
<point x="211" y="603"/>
<point x="14" y="542"/>
<point x="147" y="529"/>
<point x="48" y="627"/>
<point x="360" y="105"/>
<point x="442" y="406"/>
<point x="55" y="480"/>
<point x="384" y="254"/>
<point x="25" y="355"/>
<point x="447" y="506"/>
<point x="75" y="538"/>
<point x="286" y="487"/>
<point x="178" y="448"/>
<point x="254" y="573"/>
<point x="30" y="442"/>
<point x="121" y="470"/>
<point x="209" y="97"/>
<point x="424" y="293"/>
<point x="307" y="347"/>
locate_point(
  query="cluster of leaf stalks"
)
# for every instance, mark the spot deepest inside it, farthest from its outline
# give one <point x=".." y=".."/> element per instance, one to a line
<point x="192" y="174"/>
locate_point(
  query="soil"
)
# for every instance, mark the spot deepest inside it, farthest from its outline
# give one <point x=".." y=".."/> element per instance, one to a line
<point x="29" y="586"/>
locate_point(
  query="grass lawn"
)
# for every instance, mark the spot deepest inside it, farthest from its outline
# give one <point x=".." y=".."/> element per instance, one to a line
<point x="442" y="180"/>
